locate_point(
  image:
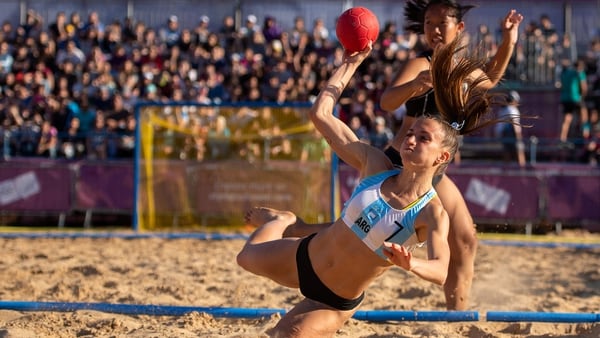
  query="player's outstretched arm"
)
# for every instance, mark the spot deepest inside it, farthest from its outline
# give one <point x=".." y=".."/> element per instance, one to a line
<point x="337" y="133"/>
<point x="496" y="67"/>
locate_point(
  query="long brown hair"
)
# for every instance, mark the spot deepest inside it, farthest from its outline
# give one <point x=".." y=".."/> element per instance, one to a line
<point x="464" y="106"/>
<point x="463" y="103"/>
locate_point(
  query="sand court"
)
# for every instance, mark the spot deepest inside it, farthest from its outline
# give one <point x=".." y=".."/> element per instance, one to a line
<point x="179" y="271"/>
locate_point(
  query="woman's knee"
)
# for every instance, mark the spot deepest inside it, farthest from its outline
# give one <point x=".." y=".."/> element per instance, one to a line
<point x="243" y="258"/>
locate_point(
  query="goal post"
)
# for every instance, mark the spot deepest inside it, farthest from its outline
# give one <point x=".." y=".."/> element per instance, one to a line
<point x="205" y="165"/>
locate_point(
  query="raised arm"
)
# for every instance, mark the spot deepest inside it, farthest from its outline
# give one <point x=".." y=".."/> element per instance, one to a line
<point x="496" y="67"/>
<point x="339" y="136"/>
<point x="413" y="80"/>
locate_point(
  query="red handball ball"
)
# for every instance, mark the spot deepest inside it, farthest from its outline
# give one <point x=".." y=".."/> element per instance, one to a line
<point x="356" y="27"/>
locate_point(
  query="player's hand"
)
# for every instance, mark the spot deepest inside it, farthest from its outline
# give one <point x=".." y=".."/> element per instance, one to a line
<point x="510" y="26"/>
<point x="358" y="57"/>
<point x="423" y="81"/>
<point x="398" y="255"/>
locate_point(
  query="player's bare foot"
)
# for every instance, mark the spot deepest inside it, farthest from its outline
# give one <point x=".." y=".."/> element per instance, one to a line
<point x="258" y="216"/>
<point x="298" y="228"/>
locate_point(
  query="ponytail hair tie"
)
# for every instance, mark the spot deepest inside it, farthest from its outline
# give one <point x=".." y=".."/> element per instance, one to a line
<point x="457" y="126"/>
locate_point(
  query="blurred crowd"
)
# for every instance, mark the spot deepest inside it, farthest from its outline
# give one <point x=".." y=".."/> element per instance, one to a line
<point x="68" y="87"/>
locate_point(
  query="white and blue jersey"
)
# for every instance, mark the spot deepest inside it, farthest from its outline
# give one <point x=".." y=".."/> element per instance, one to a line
<point x="374" y="221"/>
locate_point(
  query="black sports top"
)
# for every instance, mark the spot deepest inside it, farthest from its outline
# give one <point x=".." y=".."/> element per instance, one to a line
<point x="425" y="103"/>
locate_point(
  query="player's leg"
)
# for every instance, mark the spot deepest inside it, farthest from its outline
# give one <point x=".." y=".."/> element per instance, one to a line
<point x="310" y="319"/>
<point x="462" y="239"/>
<point x="266" y="252"/>
<point x="296" y="225"/>
<point x="302" y="229"/>
<point x="566" y="124"/>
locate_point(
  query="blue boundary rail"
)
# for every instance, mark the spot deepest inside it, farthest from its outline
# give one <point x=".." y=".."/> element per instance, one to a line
<point x="367" y="315"/>
<point x="547" y="317"/>
<point x="223" y="236"/>
<point x="230" y="312"/>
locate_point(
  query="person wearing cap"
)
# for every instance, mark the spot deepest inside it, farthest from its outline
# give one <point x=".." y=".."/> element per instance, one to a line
<point x="170" y="34"/>
<point x="381" y="135"/>
<point x="201" y="31"/>
<point x="511" y="135"/>
<point x="251" y="19"/>
<point x="248" y="30"/>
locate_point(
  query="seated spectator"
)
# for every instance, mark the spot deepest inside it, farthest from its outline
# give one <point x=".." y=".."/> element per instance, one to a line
<point x="33" y="24"/>
<point x="94" y="23"/>
<point x="23" y="61"/>
<point x="358" y="128"/>
<point x="201" y="31"/>
<point x="48" y="143"/>
<point x="28" y="138"/>
<point x="57" y="27"/>
<point x="77" y="23"/>
<point x="298" y="34"/>
<point x="246" y="32"/>
<point x="316" y="149"/>
<point x="72" y="54"/>
<point x="282" y="148"/>
<point x="127" y="142"/>
<point x="73" y="141"/>
<point x="271" y="29"/>
<point x="6" y="58"/>
<point x="118" y="113"/>
<point x="97" y="139"/>
<point x="381" y="135"/>
<point x="219" y="139"/>
<point x="113" y="139"/>
<point x="84" y="112"/>
<point x="228" y="35"/>
<point x="170" y="34"/>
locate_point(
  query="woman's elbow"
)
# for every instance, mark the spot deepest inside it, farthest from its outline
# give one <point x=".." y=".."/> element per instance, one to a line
<point x="441" y="280"/>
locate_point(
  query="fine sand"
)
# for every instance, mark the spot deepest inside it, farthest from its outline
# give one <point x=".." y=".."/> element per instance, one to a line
<point x="201" y="273"/>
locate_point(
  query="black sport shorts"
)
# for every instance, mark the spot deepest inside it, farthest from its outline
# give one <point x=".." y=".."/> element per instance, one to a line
<point x="312" y="287"/>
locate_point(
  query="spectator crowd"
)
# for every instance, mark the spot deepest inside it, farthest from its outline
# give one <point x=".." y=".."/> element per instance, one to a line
<point x="68" y="87"/>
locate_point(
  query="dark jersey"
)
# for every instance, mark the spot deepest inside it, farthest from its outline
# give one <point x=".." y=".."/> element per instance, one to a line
<point x="422" y="104"/>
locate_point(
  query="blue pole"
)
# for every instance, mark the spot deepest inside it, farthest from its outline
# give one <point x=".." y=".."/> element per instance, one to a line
<point x="425" y="316"/>
<point x="230" y="312"/>
<point x="138" y="235"/>
<point x="225" y="236"/>
<point x="135" y="309"/>
<point x="553" y="317"/>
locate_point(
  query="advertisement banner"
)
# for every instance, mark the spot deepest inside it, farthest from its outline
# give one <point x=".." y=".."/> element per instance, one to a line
<point x="574" y="198"/>
<point x="34" y="188"/>
<point x="497" y="196"/>
<point x="104" y="186"/>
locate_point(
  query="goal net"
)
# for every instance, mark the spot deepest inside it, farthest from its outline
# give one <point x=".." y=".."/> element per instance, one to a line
<point x="199" y="165"/>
